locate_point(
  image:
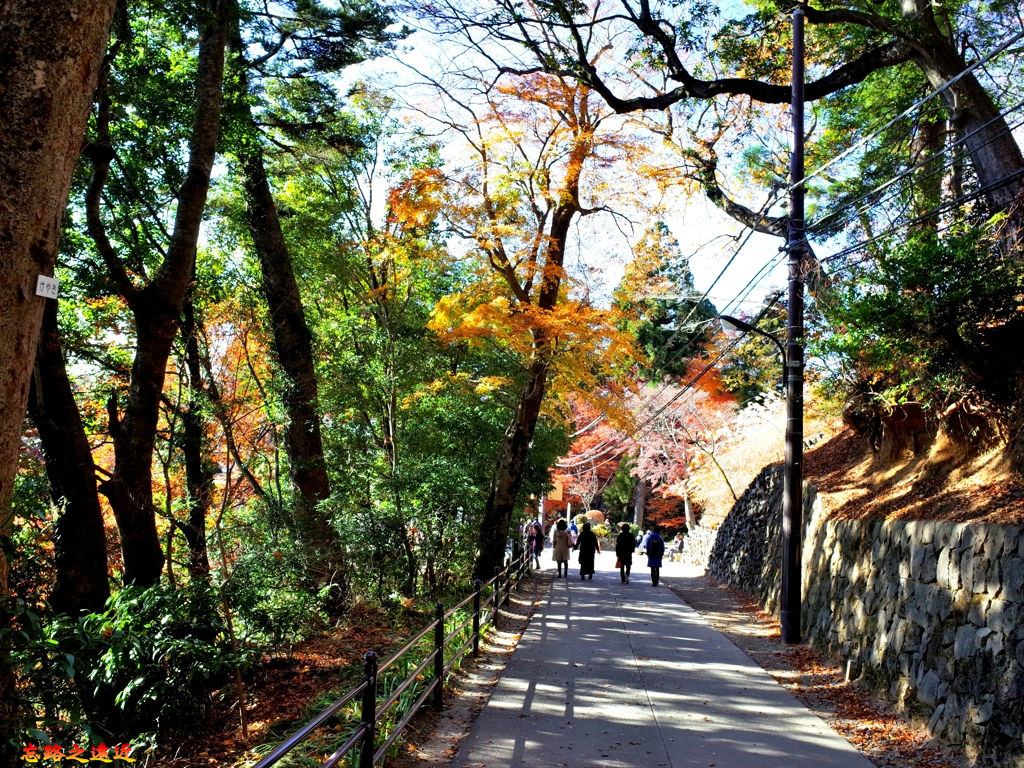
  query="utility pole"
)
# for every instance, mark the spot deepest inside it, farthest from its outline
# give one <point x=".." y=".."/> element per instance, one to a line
<point x="792" y="498"/>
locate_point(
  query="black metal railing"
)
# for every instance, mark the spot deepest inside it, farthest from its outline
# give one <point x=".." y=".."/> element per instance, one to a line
<point x="372" y="745"/>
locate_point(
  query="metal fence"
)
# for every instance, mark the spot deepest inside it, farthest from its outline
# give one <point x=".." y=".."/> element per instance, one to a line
<point x="373" y="745"/>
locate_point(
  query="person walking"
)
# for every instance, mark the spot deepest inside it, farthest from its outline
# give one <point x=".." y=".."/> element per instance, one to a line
<point x="589" y="546"/>
<point x="561" y="543"/>
<point x="624" y="546"/>
<point x="535" y="541"/>
<point x="655" y="547"/>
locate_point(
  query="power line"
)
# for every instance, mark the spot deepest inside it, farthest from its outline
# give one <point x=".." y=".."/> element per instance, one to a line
<point x="595" y="452"/>
<point x="821" y="223"/>
<point x="943" y="207"/>
<point x="924" y="99"/>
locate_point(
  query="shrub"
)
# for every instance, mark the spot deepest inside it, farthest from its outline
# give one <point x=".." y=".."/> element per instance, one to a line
<point x="148" y="663"/>
<point x="595" y="517"/>
<point x="158" y="653"/>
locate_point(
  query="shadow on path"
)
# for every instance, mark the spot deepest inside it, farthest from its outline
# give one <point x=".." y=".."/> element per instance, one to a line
<point x="612" y="674"/>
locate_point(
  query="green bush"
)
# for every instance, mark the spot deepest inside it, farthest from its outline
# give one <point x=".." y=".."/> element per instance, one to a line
<point x="43" y="657"/>
<point x="161" y="652"/>
<point x="149" y="663"/>
<point x="270" y="599"/>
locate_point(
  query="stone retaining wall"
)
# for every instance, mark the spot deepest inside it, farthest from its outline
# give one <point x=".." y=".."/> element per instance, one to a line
<point x="931" y="614"/>
<point x="697" y="546"/>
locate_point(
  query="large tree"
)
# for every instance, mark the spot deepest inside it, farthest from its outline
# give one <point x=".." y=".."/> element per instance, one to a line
<point x="50" y="56"/>
<point x="539" y="147"/>
<point x="314" y="42"/>
<point x="79" y="540"/>
<point x="155" y="300"/>
<point x="691" y="52"/>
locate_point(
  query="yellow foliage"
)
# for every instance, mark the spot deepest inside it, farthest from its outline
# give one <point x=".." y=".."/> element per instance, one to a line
<point x="543" y="154"/>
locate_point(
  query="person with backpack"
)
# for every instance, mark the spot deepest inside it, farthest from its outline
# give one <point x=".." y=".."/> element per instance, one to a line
<point x="655" y="547"/>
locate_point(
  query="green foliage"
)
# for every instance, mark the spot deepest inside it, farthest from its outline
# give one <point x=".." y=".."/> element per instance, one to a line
<point x="44" y="652"/>
<point x="147" y="664"/>
<point x="160" y="652"/>
<point x="671" y="328"/>
<point x="753" y="366"/>
<point x="272" y="602"/>
<point x="932" y="316"/>
<point x="619" y="493"/>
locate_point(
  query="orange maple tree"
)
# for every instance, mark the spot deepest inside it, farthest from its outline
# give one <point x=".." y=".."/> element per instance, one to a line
<point x="539" y="150"/>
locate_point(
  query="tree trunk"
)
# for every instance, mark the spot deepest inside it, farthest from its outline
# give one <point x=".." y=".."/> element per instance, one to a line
<point x="293" y="344"/>
<point x="926" y="150"/>
<point x="198" y="475"/>
<point x="157" y="310"/>
<point x="995" y="154"/>
<point x="293" y="347"/>
<point x="508" y="474"/>
<point x="52" y="52"/>
<point x="79" y="540"/>
<point x="640" y="503"/>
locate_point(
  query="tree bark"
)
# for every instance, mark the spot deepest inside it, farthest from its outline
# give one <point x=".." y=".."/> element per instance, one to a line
<point x="198" y="475"/>
<point x="640" y="503"/>
<point x="52" y="54"/>
<point x="79" y="540"/>
<point x="508" y="473"/>
<point x="995" y="155"/>
<point x="157" y="311"/>
<point x="691" y="520"/>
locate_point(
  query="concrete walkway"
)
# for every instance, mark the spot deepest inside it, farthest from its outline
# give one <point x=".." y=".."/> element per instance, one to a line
<point x="610" y="674"/>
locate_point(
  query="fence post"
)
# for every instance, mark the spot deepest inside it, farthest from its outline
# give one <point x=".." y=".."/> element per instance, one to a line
<point x="369" y="710"/>
<point x="439" y="656"/>
<point x="496" y="593"/>
<point x="476" y="617"/>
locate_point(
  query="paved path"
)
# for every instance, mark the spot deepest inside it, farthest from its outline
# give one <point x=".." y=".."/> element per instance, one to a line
<point x="609" y="675"/>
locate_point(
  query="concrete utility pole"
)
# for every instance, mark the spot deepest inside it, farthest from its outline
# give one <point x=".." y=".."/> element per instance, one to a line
<point x="792" y="499"/>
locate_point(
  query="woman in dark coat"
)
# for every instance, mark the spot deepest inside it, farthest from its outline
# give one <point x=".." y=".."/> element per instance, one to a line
<point x="588" y="546"/>
<point x="535" y="541"/>
<point x="624" y="546"/>
<point x="655" y="547"/>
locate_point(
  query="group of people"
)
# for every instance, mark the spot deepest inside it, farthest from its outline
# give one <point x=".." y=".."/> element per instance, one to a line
<point x="564" y="539"/>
